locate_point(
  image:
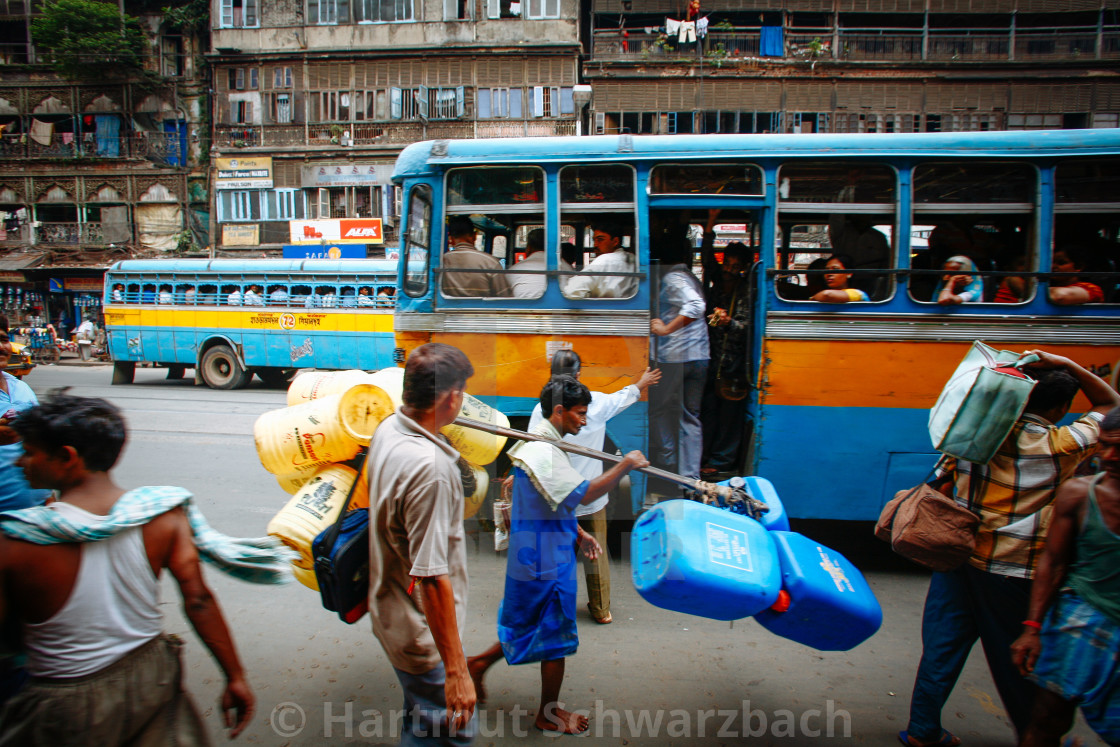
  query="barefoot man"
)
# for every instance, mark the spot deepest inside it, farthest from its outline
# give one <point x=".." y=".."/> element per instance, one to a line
<point x="537" y="619"/>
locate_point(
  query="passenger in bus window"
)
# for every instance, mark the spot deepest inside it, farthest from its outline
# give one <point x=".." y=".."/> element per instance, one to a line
<point x="365" y="297"/>
<point x="148" y="295"/>
<point x="278" y="296"/>
<point x="349" y="300"/>
<point x="462" y="255"/>
<point x="1066" y="289"/>
<point x="118" y="293"/>
<point x="189" y="295"/>
<point x="330" y="299"/>
<point x="234" y="297"/>
<point x="837" y="289"/>
<point x="855" y="236"/>
<point x="1013" y="288"/>
<point x="253" y="296"/>
<point x="611" y="256"/>
<point x="312" y="301"/>
<point x="165" y="294"/>
<point x="386" y="295"/>
<point x="532" y="286"/>
<point x="960" y="283"/>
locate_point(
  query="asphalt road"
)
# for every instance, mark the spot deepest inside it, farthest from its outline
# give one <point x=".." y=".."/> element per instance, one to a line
<point x="653" y="677"/>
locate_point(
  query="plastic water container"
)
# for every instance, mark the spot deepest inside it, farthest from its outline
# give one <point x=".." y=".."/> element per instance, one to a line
<point x="322" y="431"/>
<point x="762" y="489"/>
<point x="293" y="482"/>
<point x="831" y="607"/>
<point x="701" y="560"/>
<point x="477" y="447"/>
<point x="391" y="380"/>
<point x="315" y="507"/>
<point x="318" y="384"/>
<point x="473" y="501"/>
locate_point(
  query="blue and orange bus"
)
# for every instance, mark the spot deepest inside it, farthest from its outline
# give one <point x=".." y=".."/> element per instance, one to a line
<point x="837" y="408"/>
<point x="229" y="319"/>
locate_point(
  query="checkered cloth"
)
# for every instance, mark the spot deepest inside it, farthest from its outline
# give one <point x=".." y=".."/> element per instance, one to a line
<point x="262" y="560"/>
<point x="1014" y="493"/>
<point x="1080" y="661"/>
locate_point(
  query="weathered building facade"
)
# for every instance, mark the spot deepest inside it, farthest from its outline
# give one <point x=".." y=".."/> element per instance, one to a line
<point x="658" y="66"/>
<point x="319" y="97"/>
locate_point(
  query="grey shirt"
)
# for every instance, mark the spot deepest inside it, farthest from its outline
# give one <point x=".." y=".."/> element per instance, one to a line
<point x="416" y="531"/>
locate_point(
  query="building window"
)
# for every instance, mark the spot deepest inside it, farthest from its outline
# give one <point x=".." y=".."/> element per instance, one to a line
<point x="285" y="204"/>
<point x="1102" y="119"/>
<point x="543" y="8"/>
<point x="237" y="14"/>
<point x="503" y="8"/>
<point x="326" y="11"/>
<point x="409" y="103"/>
<point x="382" y="10"/>
<point x="237" y="79"/>
<point x="281" y="108"/>
<point x="282" y="77"/>
<point x="330" y="106"/>
<point x="1034" y="121"/>
<point x="553" y="101"/>
<point x="458" y="10"/>
<point x="239" y="205"/>
<point x="241" y="112"/>
<point x="171" y="56"/>
<point x="448" y="103"/>
<point x="499" y="103"/>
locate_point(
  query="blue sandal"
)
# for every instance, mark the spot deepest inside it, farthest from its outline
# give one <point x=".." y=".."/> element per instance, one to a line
<point x="946" y="740"/>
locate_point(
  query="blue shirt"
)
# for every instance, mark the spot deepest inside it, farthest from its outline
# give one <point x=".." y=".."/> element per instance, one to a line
<point x="14" y="490"/>
<point x="681" y="295"/>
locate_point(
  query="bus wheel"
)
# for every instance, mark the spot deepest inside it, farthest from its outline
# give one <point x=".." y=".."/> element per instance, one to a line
<point x="124" y="372"/>
<point x="276" y="378"/>
<point x="220" y="369"/>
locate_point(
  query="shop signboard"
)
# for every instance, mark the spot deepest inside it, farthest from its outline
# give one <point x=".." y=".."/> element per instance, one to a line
<point x="325" y="251"/>
<point x="244" y="173"/>
<point x="336" y="231"/>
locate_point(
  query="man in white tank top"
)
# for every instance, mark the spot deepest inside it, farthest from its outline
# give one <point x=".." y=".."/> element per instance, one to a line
<point x="102" y="671"/>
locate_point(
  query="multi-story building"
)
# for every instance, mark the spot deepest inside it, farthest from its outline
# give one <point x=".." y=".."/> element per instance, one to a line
<point x="659" y="66"/>
<point x="93" y="168"/>
<point x="314" y="99"/>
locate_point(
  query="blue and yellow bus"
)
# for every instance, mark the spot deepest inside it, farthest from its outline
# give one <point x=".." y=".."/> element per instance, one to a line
<point x="837" y="407"/>
<point x="230" y="319"/>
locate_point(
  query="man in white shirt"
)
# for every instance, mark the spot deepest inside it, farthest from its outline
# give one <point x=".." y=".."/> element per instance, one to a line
<point x="533" y="285"/>
<point x="234" y="298"/>
<point x="253" y="296"/>
<point x="612" y="257"/>
<point x="279" y="296"/>
<point x="593" y="516"/>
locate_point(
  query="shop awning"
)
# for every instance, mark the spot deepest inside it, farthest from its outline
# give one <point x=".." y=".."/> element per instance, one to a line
<point x="22" y="261"/>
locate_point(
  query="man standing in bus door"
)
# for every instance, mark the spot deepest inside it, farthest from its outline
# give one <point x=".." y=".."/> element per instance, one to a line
<point x="612" y="256"/>
<point x="592" y="517"/>
<point x="1072" y="651"/>
<point x="680" y="347"/>
<point x="988" y="597"/>
<point x="463" y="255"/>
<point x="418" y="560"/>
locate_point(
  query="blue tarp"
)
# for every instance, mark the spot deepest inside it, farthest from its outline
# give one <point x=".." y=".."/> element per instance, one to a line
<point x="108" y="135"/>
<point x="771" y="43"/>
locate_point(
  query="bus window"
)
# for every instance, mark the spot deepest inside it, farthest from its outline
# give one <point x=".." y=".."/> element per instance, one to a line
<point x="843" y="209"/>
<point x="597" y="210"/>
<point x="417" y="240"/>
<point x="132" y="294"/>
<point x="348" y="297"/>
<point x="164" y="296"/>
<point x="495" y="205"/>
<point x="148" y="294"/>
<point x="208" y="295"/>
<point x="366" y="296"/>
<point x="230" y="295"/>
<point x="1087" y="217"/>
<point x="982" y="212"/>
<point x="706" y="179"/>
<point x="302" y="296"/>
<point x="328" y="297"/>
<point x="185" y="294"/>
<point x="386" y="296"/>
<point x="277" y="295"/>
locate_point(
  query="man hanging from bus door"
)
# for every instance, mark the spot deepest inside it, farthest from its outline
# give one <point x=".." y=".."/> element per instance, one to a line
<point x="592" y="517"/>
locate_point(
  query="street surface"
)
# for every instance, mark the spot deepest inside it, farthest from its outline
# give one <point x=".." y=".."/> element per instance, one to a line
<point x="653" y="677"/>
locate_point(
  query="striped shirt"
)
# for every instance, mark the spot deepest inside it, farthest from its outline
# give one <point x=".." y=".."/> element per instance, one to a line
<point x="1014" y="493"/>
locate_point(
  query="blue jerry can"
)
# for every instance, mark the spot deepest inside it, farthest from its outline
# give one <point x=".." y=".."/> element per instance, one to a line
<point x="762" y="489"/>
<point x="831" y="607"/>
<point x="701" y="560"/>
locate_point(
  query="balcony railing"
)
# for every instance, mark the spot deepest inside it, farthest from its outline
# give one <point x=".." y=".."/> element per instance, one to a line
<point x="163" y="148"/>
<point x="871" y="45"/>
<point x="69" y="234"/>
<point x="384" y="133"/>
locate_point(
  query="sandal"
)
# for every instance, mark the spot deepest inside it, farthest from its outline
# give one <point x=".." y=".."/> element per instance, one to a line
<point x="604" y="620"/>
<point x="947" y="740"/>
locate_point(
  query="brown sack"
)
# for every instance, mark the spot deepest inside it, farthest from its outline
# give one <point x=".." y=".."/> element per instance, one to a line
<point x="929" y="528"/>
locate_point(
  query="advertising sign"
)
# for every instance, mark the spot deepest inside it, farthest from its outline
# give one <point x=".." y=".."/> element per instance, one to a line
<point x="244" y="173"/>
<point x="325" y="251"/>
<point x="248" y="234"/>
<point x="336" y="231"/>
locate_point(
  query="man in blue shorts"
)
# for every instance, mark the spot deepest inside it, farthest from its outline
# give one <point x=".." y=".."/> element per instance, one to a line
<point x="1072" y="652"/>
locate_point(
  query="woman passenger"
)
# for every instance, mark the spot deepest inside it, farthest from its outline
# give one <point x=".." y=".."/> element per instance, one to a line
<point x="960" y="283"/>
<point x="836" y="283"/>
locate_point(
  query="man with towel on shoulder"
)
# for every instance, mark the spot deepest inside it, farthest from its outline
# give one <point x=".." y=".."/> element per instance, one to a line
<point x="537" y="618"/>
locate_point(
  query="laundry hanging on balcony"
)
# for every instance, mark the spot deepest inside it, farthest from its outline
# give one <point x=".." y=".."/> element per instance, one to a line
<point x="771" y="43"/>
<point x="108" y="135"/>
<point x="42" y="132"/>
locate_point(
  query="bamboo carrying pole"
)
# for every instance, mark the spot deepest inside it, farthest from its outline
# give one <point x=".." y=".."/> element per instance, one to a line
<point x="707" y="491"/>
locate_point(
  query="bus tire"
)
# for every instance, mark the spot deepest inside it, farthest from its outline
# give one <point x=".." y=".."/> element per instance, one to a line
<point x="276" y="378"/>
<point x="221" y="369"/>
<point x="124" y="372"/>
<point x="175" y="371"/>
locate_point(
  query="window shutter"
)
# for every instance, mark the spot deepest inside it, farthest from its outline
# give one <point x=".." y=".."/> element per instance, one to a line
<point x="515" y="110"/>
<point x="422" y="102"/>
<point x="538" y="101"/>
<point x="451" y="10"/>
<point x="313" y="10"/>
<point x="324" y="199"/>
<point x="227" y="14"/>
<point x="395" y="103"/>
<point x="240" y="80"/>
<point x="250" y="12"/>
<point x="253" y="83"/>
<point x="249" y="112"/>
<point x="460" y="101"/>
<point x="601" y="122"/>
<point x="554" y="102"/>
<point x="482" y="104"/>
<point x="493" y="8"/>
